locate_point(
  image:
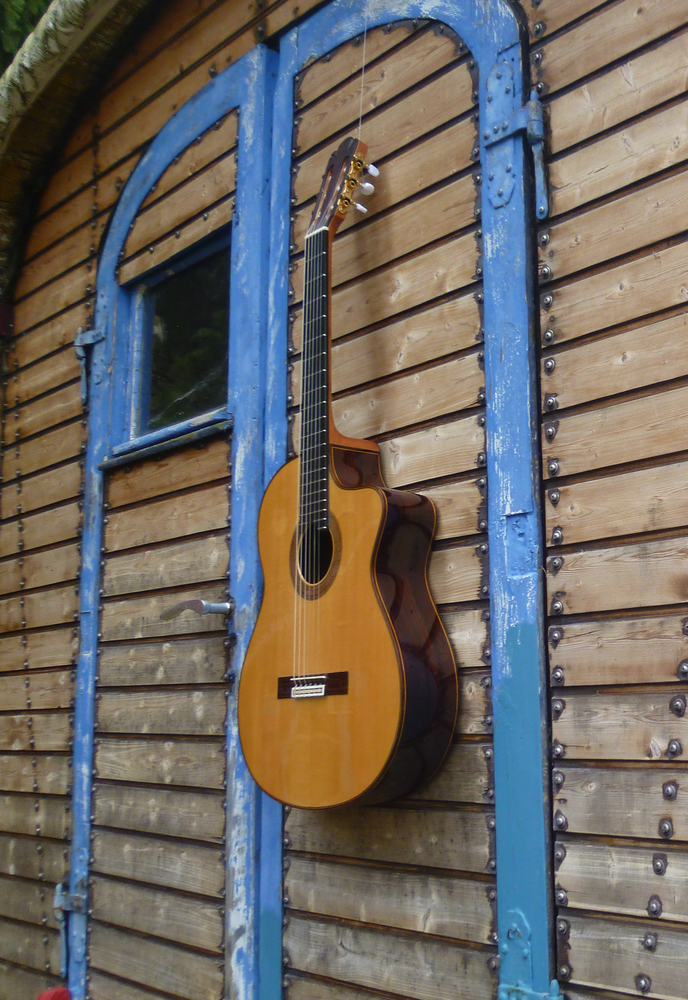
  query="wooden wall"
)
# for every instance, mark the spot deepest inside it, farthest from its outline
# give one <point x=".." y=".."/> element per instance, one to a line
<point x="401" y="899"/>
<point x="614" y="473"/>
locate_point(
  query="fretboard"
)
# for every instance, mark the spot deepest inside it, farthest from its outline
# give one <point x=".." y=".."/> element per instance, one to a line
<point x="313" y="479"/>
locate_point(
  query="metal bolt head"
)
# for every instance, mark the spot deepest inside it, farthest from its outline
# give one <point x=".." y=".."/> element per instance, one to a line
<point x="558" y="750"/>
<point x="557" y="536"/>
<point x="666" y="828"/>
<point x="539" y="29"/>
<point x="674" y="749"/>
<point x="492" y="895"/>
<point x="550" y="431"/>
<point x="550" y="365"/>
<point x="551" y="402"/>
<point x="564" y="972"/>
<point x="654" y="906"/>
<point x="563" y="926"/>
<point x="560" y="821"/>
<point x="543" y="238"/>
<point x="558" y="706"/>
<point x="559" y="853"/>
<point x="553" y="467"/>
<point x="545" y="272"/>
<point x="558" y="676"/>
<point x="493" y="963"/>
<point x="492" y="865"/>
<point x="670" y="790"/>
<point x="659" y="864"/>
<point x="682" y="670"/>
<point x="650" y="941"/>
<point x="547" y="301"/>
<point x="557" y="607"/>
<point x="643" y="983"/>
<point x="555" y="636"/>
<point x="548" y="336"/>
<point x="555" y="564"/>
<point x="677" y="705"/>
<point x="558" y="779"/>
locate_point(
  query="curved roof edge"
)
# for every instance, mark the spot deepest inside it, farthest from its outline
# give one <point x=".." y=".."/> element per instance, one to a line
<point x="40" y="91"/>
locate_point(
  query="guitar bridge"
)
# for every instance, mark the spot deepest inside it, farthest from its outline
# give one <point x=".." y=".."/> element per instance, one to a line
<point x="313" y="685"/>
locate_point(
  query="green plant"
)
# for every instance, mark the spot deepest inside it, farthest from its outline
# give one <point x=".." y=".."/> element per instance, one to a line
<point x="17" y="19"/>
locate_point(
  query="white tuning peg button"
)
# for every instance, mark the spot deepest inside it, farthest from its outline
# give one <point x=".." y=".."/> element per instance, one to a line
<point x="367" y="188"/>
<point x="361" y="208"/>
<point x="372" y="170"/>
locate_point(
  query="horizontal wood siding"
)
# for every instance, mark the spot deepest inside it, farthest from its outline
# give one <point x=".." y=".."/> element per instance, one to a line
<point x="612" y="258"/>
<point x="414" y="881"/>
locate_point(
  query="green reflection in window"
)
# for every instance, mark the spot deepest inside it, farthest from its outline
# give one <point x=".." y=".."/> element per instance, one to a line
<point x="188" y="329"/>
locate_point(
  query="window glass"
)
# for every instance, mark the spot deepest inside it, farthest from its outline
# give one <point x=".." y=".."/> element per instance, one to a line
<point x="187" y="320"/>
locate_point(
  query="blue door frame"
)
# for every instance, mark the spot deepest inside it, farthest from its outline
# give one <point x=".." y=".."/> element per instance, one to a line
<point x="257" y="394"/>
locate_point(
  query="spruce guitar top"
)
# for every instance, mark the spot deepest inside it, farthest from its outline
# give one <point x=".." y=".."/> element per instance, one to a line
<point x="349" y="688"/>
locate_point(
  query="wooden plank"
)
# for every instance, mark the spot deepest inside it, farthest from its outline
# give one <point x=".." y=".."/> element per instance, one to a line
<point x="610" y="954"/>
<point x="22" y="984"/>
<point x="175" y="517"/>
<point x="64" y="404"/>
<point x="398" y="124"/>
<point x="467" y="630"/>
<point x="620" y="294"/>
<point x="60" y="294"/>
<point x="103" y="987"/>
<point x="421" y="395"/>
<point x="649" y="499"/>
<point x="33" y="947"/>
<point x="458" y="507"/>
<point x="40" y="569"/>
<point x="624" y="725"/>
<point x="48" y="449"/>
<point x="555" y="16"/>
<point x="49" y="527"/>
<point x="192" y="815"/>
<point x="30" y="902"/>
<point x="428" y="904"/>
<point x="32" y="857"/>
<point x="18" y="814"/>
<point x="189" y="867"/>
<point x="183" y="661"/>
<point x="180" y="470"/>
<point x="622" y="432"/>
<point x="77" y="247"/>
<point x="622" y="576"/>
<point x="475" y="706"/>
<point x="618" y="878"/>
<point x="47" y="689"/>
<point x="622" y="362"/>
<point x="48" y="649"/>
<point x="302" y="987"/>
<point x="444" y="449"/>
<point x="172" y="762"/>
<point x="139" y="618"/>
<point x="413" y="966"/>
<point x="41" y="490"/>
<point x="165" y="914"/>
<point x="40" y="608"/>
<point x="40" y="732"/>
<point x="434" y="838"/>
<point x="456" y="574"/>
<point x="170" y="565"/>
<point x="621" y="802"/>
<point x="633" y="650"/>
<point x="627" y="156"/>
<point x="46" y="775"/>
<point x="464" y="776"/>
<point x="26" y="383"/>
<point x="199" y="712"/>
<point x="156" y="964"/>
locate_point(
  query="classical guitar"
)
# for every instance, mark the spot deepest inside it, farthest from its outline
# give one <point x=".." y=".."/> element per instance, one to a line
<point x="349" y="690"/>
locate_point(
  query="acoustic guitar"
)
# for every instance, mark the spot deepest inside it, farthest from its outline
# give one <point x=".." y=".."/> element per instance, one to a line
<point x="349" y="690"/>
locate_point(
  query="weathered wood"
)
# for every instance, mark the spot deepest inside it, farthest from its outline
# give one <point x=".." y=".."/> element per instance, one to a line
<point x="475" y="711"/>
<point x="623" y="432"/>
<point x="172" y="762"/>
<point x="27" y="901"/>
<point x="623" y="576"/>
<point x="32" y="857"/>
<point x="33" y="947"/>
<point x="628" y="360"/>
<point x="140" y="618"/>
<point x="634" y="650"/>
<point x="103" y="987"/>
<point x="18" y="814"/>
<point x="189" y="867"/>
<point x="429" y="904"/>
<point x="49" y="775"/>
<point x="46" y="302"/>
<point x="72" y="250"/>
<point x="164" y="914"/>
<point x="40" y="569"/>
<point x="52" y="649"/>
<point x="617" y="878"/>
<point x="27" y="383"/>
<point x="40" y="732"/>
<point x="199" y="712"/>
<point x="23" y="984"/>
<point x="444" y="449"/>
<point x="177" y="471"/>
<point x="194" y="815"/>
<point x="50" y="689"/>
<point x="40" y="490"/>
<point x="152" y="963"/>
<point x="467" y="630"/>
<point x="628" y="725"/>
<point x="175" y="517"/>
<point x="57" y="332"/>
<point x="629" y="155"/>
<point x="39" y="452"/>
<point x="183" y="661"/>
<point x="64" y="404"/>
<point x="621" y="802"/>
<point x="413" y="966"/>
<point x="458" y="506"/>
<point x="644" y="500"/>
<point x="40" y="608"/>
<point x="464" y="776"/>
<point x="456" y="574"/>
<point x="610" y="954"/>
<point x="555" y="15"/>
<point x="620" y="294"/>
<point x="435" y="838"/>
<point x="167" y="566"/>
<point x="47" y="528"/>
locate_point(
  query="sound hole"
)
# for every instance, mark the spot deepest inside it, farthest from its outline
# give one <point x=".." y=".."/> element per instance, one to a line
<point x="315" y="553"/>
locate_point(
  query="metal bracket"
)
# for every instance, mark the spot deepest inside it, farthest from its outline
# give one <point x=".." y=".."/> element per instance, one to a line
<point x="84" y="339"/>
<point x="198" y="607"/>
<point x="516" y="966"/>
<point x="502" y="125"/>
<point x="67" y="902"/>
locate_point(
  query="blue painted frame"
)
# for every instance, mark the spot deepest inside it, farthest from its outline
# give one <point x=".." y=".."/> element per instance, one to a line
<point x="251" y="821"/>
<point x="493" y="35"/>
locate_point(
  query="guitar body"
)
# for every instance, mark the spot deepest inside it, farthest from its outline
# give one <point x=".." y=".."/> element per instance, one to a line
<point x="369" y="626"/>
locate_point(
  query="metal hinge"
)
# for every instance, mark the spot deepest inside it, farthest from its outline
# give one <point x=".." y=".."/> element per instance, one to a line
<point x="67" y="902"/>
<point x="84" y="339"/>
<point x="502" y="124"/>
<point x="516" y="965"/>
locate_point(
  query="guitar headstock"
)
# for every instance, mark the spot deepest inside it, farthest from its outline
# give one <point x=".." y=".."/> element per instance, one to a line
<point x="344" y="173"/>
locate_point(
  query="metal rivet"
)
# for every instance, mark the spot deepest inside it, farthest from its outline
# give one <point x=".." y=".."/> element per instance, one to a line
<point x="674" y="749"/>
<point x="650" y="941"/>
<point x="538" y="29"/>
<point x="551" y="402"/>
<point x="548" y="336"/>
<point x="670" y="790"/>
<point x="682" y="670"/>
<point x="491" y="823"/>
<point x="654" y="906"/>
<point x="557" y="536"/>
<point x="545" y="272"/>
<point x="558" y="706"/>
<point x="558" y="750"/>
<point x="482" y="525"/>
<point x="555" y="565"/>
<point x="557" y="676"/>
<point x="482" y="483"/>
<point x="492" y="865"/>
<point x="564" y="971"/>
<point x="557" y="607"/>
<point x="553" y="467"/>
<point x="550" y="365"/>
<point x="562" y="897"/>
<point x="493" y="963"/>
<point x="677" y="705"/>
<point x="543" y="239"/>
<point x="558" y="777"/>
<point x="559" y="853"/>
<point x="560" y="821"/>
<point x="643" y="983"/>
<point x="659" y="864"/>
<point x="481" y="459"/>
<point x="555" y="636"/>
<point x="550" y="431"/>
<point x="547" y="301"/>
<point x="554" y="496"/>
<point x="666" y="828"/>
<point x="563" y="927"/>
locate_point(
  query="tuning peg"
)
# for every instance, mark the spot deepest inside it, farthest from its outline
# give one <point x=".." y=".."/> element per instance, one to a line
<point x="372" y="170"/>
<point x="361" y="208"/>
<point x="366" y="187"/>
